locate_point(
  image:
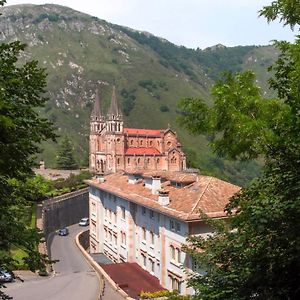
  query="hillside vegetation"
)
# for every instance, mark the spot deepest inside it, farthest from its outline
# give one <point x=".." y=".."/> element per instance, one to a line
<point x="82" y="53"/>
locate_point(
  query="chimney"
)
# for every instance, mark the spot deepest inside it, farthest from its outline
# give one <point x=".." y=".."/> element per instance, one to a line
<point x="100" y="178"/>
<point x="132" y="179"/>
<point x="163" y="197"/>
<point x="156" y="185"/>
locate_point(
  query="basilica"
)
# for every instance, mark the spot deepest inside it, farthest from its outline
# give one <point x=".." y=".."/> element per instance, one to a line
<point x="114" y="148"/>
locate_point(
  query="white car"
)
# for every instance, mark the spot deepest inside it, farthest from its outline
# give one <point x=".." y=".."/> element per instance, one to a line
<point x="84" y="222"/>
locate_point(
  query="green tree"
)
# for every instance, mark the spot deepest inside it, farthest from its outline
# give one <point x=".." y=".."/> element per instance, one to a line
<point x="257" y="254"/>
<point x="65" y="158"/>
<point x="21" y="131"/>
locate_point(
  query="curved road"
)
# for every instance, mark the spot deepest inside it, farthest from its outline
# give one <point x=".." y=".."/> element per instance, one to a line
<point x="73" y="279"/>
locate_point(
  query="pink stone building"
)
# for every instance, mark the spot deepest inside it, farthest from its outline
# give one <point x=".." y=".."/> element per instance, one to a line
<point x="114" y="148"/>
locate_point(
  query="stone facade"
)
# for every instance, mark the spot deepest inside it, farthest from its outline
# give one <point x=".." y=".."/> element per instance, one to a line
<point x="114" y="148"/>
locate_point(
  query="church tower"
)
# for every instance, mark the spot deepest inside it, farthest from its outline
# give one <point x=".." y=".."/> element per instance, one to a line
<point x="114" y="136"/>
<point x="97" y="132"/>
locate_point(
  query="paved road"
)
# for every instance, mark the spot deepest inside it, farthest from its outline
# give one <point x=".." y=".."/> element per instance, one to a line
<point x="74" y="278"/>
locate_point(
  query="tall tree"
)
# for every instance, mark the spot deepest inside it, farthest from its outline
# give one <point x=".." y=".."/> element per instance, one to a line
<point x="65" y="158"/>
<point x="21" y="130"/>
<point x="257" y="254"/>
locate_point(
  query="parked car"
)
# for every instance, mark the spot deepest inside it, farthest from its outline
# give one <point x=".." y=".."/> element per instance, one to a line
<point x="63" y="231"/>
<point x="84" y="222"/>
<point x="6" y="276"/>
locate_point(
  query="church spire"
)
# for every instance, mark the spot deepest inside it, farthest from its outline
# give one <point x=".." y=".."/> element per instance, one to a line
<point x="114" y="111"/>
<point x="96" y="112"/>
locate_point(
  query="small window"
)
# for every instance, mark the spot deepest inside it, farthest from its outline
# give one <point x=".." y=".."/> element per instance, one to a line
<point x="151" y="212"/>
<point x="178" y="227"/>
<point x="172" y="225"/>
<point x="144" y="260"/>
<point x="144" y="236"/>
<point x="118" y="161"/>
<point x="151" y="237"/>
<point x="128" y="160"/>
<point x="123" y="212"/>
<point x="123" y="238"/>
<point x="172" y="252"/>
<point x="152" y="265"/>
<point x="178" y="255"/>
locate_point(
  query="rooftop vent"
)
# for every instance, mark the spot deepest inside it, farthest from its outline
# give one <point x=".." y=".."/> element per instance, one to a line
<point x="100" y="178"/>
<point x="132" y="179"/>
<point x="163" y="197"/>
<point x="156" y="184"/>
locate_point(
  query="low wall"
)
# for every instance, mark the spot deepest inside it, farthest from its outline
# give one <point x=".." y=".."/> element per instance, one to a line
<point x="65" y="210"/>
<point x="108" y="288"/>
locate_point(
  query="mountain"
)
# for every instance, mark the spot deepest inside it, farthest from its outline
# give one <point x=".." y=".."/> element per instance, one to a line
<point x="82" y="53"/>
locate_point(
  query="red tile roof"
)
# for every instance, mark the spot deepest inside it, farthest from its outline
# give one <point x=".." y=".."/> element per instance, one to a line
<point x="142" y="151"/>
<point x="206" y="194"/>
<point x="144" y="132"/>
<point x="132" y="279"/>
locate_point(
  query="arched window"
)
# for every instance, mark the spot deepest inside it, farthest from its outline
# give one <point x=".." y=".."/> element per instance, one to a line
<point x="131" y="142"/>
<point x="157" y="160"/>
<point x="128" y="160"/>
<point x="138" y="160"/>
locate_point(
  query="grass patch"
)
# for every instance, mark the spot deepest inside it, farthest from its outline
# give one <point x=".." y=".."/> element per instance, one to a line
<point x="17" y="253"/>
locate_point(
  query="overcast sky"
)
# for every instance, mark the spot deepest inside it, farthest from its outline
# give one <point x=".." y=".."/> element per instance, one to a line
<point x="191" y="23"/>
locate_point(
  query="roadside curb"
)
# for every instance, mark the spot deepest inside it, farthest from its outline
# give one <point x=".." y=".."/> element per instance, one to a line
<point x="99" y="270"/>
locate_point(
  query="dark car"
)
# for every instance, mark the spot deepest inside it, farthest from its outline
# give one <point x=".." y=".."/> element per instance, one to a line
<point x="6" y="276"/>
<point x="63" y="231"/>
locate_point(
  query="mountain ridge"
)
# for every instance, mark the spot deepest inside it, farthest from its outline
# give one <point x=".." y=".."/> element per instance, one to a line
<point x="82" y="53"/>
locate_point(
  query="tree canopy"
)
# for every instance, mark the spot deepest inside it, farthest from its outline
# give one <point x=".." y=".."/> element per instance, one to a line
<point x="257" y="254"/>
<point x="21" y="130"/>
<point x="65" y="157"/>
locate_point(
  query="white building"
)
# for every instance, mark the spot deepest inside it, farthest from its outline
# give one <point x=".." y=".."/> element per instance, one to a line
<point x="145" y="217"/>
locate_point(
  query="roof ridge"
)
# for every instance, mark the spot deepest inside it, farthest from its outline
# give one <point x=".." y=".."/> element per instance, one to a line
<point x="194" y="207"/>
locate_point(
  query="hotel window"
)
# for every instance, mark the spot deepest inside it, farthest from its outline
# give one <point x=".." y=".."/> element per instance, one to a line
<point x="93" y="207"/>
<point x="123" y="238"/>
<point x="115" y="217"/>
<point x="144" y="260"/>
<point x="175" y="284"/>
<point x="178" y="227"/>
<point x="178" y="255"/>
<point x="105" y="233"/>
<point x="143" y="210"/>
<point x="152" y="265"/>
<point x="172" y="250"/>
<point x="115" y="240"/>
<point x="144" y="236"/>
<point x="152" y="237"/>
<point x="151" y="212"/>
<point x="123" y="212"/>
<point x="110" y="236"/>
<point x="172" y="225"/>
